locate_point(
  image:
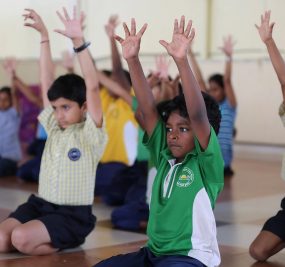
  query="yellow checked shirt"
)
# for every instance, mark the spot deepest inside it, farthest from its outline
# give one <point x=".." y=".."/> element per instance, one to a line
<point x="282" y="116"/>
<point x="69" y="161"/>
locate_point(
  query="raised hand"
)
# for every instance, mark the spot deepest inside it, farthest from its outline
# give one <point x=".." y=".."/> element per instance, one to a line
<point x="131" y="43"/>
<point x="73" y="26"/>
<point x="265" y="29"/>
<point x="162" y="66"/>
<point x="181" y="39"/>
<point x="9" y="65"/>
<point x="228" y="46"/>
<point x="110" y="27"/>
<point x="37" y="21"/>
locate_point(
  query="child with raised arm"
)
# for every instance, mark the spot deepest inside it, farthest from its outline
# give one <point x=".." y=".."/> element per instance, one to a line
<point x="271" y="239"/>
<point x="185" y="150"/>
<point x="221" y="89"/>
<point x="61" y="215"/>
<point x="10" y="150"/>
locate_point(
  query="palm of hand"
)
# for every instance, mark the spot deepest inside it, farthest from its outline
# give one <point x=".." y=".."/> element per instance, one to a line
<point x="264" y="32"/>
<point x="73" y="29"/>
<point x="131" y="47"/>
<point x="178" y="46"/>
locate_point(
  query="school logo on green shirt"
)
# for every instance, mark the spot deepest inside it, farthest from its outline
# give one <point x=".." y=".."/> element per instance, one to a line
<point x="186" y="178"/>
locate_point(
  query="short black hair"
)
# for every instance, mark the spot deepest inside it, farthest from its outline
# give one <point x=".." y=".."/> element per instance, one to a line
<point x="69" y="86"/>
<point x="6" y="90"/>
<point x="178" y="103"/>
<point x="217" y="78"/>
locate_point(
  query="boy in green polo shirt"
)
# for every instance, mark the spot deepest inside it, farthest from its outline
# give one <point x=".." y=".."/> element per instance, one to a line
<point x="185" y="148"/>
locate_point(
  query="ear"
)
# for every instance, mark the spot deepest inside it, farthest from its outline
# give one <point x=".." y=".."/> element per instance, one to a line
<point x="84" y="107"/>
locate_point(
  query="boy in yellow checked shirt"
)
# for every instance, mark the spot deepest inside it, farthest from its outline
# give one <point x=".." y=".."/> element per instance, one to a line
<point x="61" y="215"/>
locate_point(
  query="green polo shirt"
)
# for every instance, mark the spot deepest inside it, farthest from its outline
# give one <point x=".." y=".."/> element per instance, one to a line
<point x="181" y="218"/>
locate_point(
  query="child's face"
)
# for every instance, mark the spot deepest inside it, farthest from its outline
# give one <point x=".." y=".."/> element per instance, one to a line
<point x="180" y="139"/>
<point x="216" y="91"/>
<point x="5" y="101"/>
<point x="68" y="112"/>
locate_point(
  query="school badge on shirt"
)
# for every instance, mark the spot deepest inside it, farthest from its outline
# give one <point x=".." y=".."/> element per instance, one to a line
<point x="186" y="178"/>
<point x="74" y="154"/>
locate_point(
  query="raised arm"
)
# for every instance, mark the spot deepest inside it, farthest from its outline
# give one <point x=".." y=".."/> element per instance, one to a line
<point x="265" y="32"/>
<point x="73" y="30"/>
<point x="46" y="65"/>
<point x="117" y="68"/>
<point x="115" y="87"/>
<point x="130" y="48"/>
<point x="197" y="71"/>
<point x="68" y="61"/>
<point x="227" y="49"/>
<point x="178" y="49"/>
<point x="10" y="67"/>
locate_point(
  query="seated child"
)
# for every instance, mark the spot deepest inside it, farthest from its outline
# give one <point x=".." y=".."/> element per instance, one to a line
<point x="186" y="152"/>
<point x="61" y="215"/>
<point x="10" y="150"/>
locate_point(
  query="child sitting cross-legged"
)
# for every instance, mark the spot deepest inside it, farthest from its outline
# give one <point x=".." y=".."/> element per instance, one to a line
<point x="61" y="215"/>
<point x="186" y="152"/>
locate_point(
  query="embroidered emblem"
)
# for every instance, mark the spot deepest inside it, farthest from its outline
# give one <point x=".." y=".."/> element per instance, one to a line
<point x="186" y="178"/>
<point x="74" y="154"/>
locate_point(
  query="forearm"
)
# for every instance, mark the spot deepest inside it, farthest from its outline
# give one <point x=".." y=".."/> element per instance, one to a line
<point x="116" y="59"/>
<point x="277" y="61"/>
<point x="141" y="86"/>
<point x="192" y="93"/>
<point x="115" y="88"/>
<point x="25" y="89"/>
<point x="46" y="67"/>
<point x="197" y="71"/>
<point x="117" y="67"/>
<point x="230" y="94"/>
<point x="87" y="66"/>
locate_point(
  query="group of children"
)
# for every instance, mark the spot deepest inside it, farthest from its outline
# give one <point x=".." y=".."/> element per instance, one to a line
<point x="187" y="129"/>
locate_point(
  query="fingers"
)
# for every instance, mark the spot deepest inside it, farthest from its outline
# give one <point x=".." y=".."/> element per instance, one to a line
<point x="65" y="14"/>
<point x="188" y="28"/>
<point x="60" y="17"/>
<point x="175" y="28"/>
<point x="126" y="29"/>
<point x="142" y="30"/>
<point x="192" y="35"/>
<point x="164" y="43"/>
<point x="119" y="39"/>
<point x="74" y="12"/>
<point x="133" y="27"/>
<point x="60" y="32"/>
<point x="182" y="24"/>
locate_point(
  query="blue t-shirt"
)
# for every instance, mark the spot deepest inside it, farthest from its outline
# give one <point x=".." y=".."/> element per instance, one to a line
<point x="225" y="135"/>
<point x="41" y="133"/>
<point x="9" y="134"/>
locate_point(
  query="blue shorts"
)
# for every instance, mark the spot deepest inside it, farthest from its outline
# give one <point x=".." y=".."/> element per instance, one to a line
<point x="145" y="258"/>
<point x="67" y="225"/>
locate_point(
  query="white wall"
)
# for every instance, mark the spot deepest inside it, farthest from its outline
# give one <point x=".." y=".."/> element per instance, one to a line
<point x="256" y="85"/>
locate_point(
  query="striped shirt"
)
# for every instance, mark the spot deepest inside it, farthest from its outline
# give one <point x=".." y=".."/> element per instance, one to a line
<point x="69" y="162"/>
<point x="225" y="135"/>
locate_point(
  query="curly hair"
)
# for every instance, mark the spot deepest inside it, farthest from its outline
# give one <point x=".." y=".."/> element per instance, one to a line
<point x="178" y="103"/>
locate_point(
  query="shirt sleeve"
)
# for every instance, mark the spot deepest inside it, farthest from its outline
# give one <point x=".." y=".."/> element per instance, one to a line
<point x="134" y="104"/>
<point x="211" y="166"/>
<point x="47" y="119"/>
<point x="96" y="137"/>
<point x="156" y="142"/>
<point x="282" y="113"/>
